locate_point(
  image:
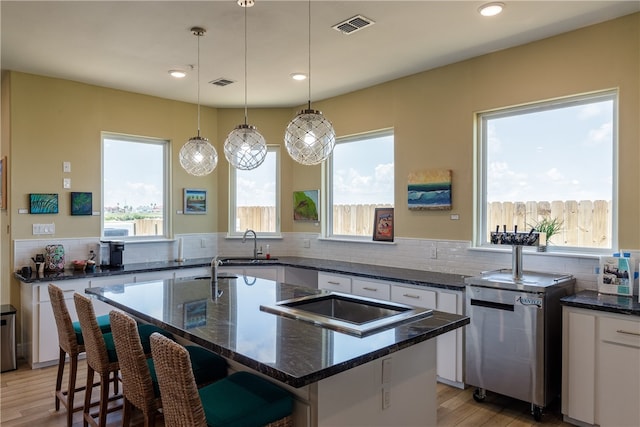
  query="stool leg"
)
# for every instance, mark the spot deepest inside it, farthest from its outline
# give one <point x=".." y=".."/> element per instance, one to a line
<point x="87" y="397"/>
<point x="127" y="407"/>
<point x="71" y="390"/>
<point x="59" y="377"/>
<point x="104" y="398"/>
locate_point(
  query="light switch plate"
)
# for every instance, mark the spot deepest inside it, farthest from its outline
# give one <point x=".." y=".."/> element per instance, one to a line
<point x="66" y="167"/>
<point x="66" y="182"/>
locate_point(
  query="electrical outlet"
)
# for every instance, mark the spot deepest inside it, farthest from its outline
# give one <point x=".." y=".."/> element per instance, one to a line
<point x="203" y="243"/>
<point x="433" y="252"/>
<point x="386" y="398"/>
<point x="66" y="182"/>
<point x="306" y="243"/>
<point x="66" y="167"/>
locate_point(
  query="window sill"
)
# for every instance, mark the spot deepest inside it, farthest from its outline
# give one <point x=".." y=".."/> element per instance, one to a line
<point x="259" y="237"/>
<point x="354" y="240"/>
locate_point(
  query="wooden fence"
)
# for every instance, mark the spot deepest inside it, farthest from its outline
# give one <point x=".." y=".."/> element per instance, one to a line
<point x="585" y="223"/>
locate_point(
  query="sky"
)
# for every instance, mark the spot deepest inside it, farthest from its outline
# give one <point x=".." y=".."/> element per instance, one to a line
<point x="552" y="155"/>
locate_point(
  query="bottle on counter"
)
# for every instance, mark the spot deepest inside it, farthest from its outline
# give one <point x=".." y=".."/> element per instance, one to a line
<point x="268" y="253"/>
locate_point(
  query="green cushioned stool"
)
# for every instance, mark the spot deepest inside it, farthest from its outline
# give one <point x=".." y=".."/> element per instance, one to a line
<point x="103" y="323"/>
<point x="144" y="331"/>
<point x="241" y="399"/>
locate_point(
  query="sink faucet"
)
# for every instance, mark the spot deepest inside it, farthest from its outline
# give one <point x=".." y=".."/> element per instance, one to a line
<point x="215" y="262"/>
<point x="256" y="252"/>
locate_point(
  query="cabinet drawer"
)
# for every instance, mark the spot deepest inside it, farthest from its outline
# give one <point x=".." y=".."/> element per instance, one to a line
<point x="334" y="282"/>
<point x="370" y="289"/>
<point x="411" y="296"/>
<point x="619" y="331"/>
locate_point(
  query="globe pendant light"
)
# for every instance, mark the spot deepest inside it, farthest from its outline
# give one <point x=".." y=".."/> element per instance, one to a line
<point x="245" y="148"/>
<point x="309" y="137"/>
<point x="197" y="156"/>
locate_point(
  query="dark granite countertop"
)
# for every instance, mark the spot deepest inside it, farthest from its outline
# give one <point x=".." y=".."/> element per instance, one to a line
<point x="290" y="351"/>
<point x="603" y="302"/>
<point x="379" y="272"/>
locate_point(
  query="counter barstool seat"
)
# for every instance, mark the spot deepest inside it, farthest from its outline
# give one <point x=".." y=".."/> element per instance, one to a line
<point x="71" y="343"/>
<point x="241" y="399"/>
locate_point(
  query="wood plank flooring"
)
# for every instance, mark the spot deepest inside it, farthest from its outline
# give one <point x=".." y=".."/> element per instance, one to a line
<point x="26" y="399"/>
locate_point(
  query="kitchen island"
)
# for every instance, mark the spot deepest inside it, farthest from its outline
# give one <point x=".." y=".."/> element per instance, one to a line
<point x="387" y="378"/>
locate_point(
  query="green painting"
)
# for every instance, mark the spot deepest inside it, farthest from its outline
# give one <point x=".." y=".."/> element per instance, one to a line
<point x="305" y="205"/>
<point x="81" y="203"/>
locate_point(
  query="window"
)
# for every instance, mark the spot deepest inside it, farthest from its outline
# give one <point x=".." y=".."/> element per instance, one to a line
<point x="254" y="196"/>
<point x="551" y="160"/>
<point x="135" y="186"/>
<point x="358" y="178"/>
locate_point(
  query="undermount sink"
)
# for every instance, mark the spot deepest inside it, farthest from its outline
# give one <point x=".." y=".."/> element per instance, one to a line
<point x="354" y="315"/>
<point x="245" y="260"/>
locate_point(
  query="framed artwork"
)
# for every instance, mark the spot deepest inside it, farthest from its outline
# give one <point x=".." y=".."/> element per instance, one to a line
<point x="81" y="203"/>
<point x="43" y="203"/>
<point x="429" y="190"/>
<point x="383" y="224"/>
<point x="195" y="314"/>
<point x="3" y="183"/>
<point x="195" y="201"/>
<point x="305" y="205"/>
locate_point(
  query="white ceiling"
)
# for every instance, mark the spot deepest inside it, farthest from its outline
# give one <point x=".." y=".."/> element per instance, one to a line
<point x="131" y="45"/>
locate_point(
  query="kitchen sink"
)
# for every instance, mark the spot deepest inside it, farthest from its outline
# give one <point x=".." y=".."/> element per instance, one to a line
<point x="354" y="315"/>
<point x="245" y="261"/>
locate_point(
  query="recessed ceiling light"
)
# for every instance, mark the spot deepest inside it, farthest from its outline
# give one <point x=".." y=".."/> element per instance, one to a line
<point x="178" y="74"/>
<point x="298" y="76"/>
<point x="491" y="9"/>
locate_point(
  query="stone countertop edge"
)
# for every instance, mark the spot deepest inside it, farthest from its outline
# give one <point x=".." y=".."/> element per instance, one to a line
<point x="377" y="272"/>
<point x="594" y="300"/>
<point x="416" y="332"/>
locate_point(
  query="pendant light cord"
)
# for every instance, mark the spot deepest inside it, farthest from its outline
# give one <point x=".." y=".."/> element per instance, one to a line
<point x="245" y="65"/>
<point x="309" y="71"/>
<point x="198" y="34"/>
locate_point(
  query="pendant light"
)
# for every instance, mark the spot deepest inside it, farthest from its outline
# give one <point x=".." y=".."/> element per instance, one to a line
<point x="245" y="148"/>
<point x="309" y="137"/>
<point x="197" y="156"/>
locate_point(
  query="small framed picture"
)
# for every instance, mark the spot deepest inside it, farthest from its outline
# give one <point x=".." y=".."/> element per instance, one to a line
<point x="195" y="201"/>
<point x="305" y="205"/>
<point x="195" y="314"/>
<point x="383" y="224"/>
<point x="81" y="203"/>
<point x="43" y="203"/>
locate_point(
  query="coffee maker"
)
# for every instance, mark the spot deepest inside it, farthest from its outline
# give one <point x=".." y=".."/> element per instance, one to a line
<point x="116" y="249"/>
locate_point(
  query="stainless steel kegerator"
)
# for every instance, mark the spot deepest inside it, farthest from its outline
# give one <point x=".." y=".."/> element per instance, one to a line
<point x="514" y="341"/>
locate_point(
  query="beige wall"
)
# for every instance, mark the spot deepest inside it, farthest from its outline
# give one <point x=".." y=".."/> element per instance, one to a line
<point x="432" y="113"/>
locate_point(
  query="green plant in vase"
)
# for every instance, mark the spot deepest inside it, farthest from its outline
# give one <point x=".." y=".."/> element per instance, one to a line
<point x="549" y="227"/>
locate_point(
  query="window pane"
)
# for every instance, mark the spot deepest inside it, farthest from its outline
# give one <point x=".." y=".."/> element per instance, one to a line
<point x="553" y="161"/>
<point x="257" y="196"/>
<point x="361" y="179"/>
<point x="133" y="186"/>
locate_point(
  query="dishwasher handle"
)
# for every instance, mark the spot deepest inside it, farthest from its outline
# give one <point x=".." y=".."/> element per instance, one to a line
<point x="491" y="304"/>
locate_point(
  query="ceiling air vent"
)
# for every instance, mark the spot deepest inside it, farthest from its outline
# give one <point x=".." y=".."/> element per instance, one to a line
<point x="354" y="24"/>
<point x="221" y="82"/>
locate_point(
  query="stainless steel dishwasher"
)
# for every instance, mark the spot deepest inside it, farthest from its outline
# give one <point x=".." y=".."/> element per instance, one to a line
<point x="514" y="341"/>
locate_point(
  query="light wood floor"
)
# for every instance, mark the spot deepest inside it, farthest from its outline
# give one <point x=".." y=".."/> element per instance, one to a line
<point x="26" y="399"/>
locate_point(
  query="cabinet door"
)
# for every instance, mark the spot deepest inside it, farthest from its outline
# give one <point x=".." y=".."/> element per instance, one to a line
<point x="449" y="348"/>
<point x="334" y="282"/>
<point x="578" y="365"/>
<point x="371" y="289"/>
<point x="618" y="372"/>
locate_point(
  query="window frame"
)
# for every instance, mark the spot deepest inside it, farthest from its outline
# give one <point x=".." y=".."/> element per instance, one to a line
<point x="326" y="195"/>
<point x="166" y="184"/>
<point x="231" y="231"/>
<point x="480" y="206"/>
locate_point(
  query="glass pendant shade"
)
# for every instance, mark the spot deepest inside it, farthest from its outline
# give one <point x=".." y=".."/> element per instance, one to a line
<point x="198" y="157"/>
<point x="245" y="148"/>
<point x="309" y="137"/>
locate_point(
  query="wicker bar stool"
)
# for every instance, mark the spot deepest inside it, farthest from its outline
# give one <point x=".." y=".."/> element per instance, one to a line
<point x="71" y="343"/>
<point x="139" y="381"/>
<point x="241" y="399"/>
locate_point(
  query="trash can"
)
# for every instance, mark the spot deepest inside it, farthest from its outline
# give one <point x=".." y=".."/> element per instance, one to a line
<point x="7" y="338"/>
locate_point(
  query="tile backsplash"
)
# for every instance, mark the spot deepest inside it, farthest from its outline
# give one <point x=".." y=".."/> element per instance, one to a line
<point x="448" y="256"/>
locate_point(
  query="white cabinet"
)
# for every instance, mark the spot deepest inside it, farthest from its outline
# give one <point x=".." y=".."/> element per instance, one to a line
<point x="39" y="331"/>
<point x="334" y="282"/>
<point x="450" y="347"/>
<point x="601" y="368"/>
